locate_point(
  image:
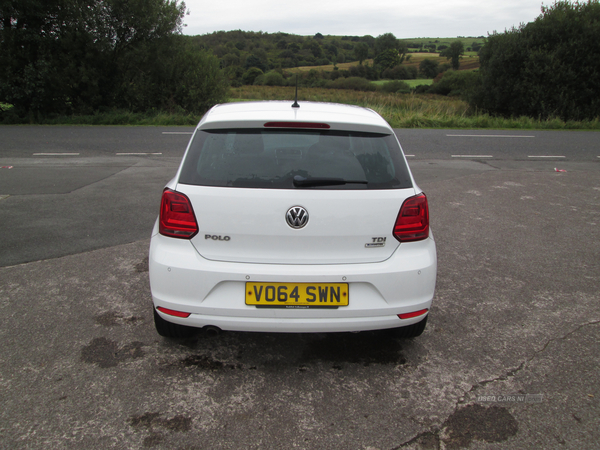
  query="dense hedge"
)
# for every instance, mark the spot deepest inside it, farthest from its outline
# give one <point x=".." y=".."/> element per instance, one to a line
<point x="547" y="68"/>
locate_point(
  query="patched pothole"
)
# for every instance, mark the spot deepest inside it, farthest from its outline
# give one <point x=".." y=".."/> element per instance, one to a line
<point x="476" y="422"/>
<point x="106" y="353"/>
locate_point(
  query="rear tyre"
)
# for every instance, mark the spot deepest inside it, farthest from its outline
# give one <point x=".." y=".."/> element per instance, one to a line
<point x="412" y="331"/>
<point x="172" y="330"/>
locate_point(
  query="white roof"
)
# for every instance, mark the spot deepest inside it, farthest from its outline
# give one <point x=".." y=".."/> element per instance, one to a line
<point x="256" y="114"/>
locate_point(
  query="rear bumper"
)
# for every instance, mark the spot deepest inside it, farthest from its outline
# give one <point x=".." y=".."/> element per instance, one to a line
<point x="213" y="292"/>
<point x="287" y="325"/>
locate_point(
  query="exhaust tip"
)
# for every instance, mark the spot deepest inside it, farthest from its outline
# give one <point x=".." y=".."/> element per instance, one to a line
<point x="211" y="330"/>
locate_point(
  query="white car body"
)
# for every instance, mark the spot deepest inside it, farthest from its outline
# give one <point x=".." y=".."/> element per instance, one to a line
<point x="242" y="237"/>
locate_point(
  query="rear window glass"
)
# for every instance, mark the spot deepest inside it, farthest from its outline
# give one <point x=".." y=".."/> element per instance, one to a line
<point x="275" y="158"/>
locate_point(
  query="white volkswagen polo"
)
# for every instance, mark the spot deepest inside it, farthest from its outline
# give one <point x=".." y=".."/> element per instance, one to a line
<point x="292" y="218"/>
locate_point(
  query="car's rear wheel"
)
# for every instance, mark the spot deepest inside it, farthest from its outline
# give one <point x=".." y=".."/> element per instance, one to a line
<point x="412" y="331"/>
<point x="172" y="330"/>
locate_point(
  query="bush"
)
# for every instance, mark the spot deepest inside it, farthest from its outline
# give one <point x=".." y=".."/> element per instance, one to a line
<point x="363" y="71"/>
<point x="429" y="68"/>
<point x="454" y="83"/>
<point x="547" y="68"/>
<point x="273" y="78"/>
<point x="400" y="73"/>
<point x="395" y="86"/>
<point x="251" y="74"/>
<point x="422" y="89"/>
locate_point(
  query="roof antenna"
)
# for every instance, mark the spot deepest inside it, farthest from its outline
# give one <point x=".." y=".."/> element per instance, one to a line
<point x="296" y="105"/>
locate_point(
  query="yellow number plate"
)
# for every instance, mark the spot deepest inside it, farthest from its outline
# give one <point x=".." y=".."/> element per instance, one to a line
<point x="297" y="295"/>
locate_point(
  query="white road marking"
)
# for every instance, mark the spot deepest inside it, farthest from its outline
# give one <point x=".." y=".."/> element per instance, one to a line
<point x="55" y="154"/>
<point x="472" y="156"/>
<point x="546" y="156"/>
<point x="490" y="135"/>
<point x="177" y="132"/>
<point x="408" y="156"/>
<point x="137" y="154"/>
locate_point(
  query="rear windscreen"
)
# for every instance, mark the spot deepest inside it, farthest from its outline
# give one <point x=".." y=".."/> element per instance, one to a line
<point x="279" y="158"/>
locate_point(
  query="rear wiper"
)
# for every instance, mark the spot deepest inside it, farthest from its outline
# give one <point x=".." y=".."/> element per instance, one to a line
<point x="300" y="181"/>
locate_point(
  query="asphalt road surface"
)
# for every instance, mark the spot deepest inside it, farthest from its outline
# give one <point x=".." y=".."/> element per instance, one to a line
<point x="510" y="357"/>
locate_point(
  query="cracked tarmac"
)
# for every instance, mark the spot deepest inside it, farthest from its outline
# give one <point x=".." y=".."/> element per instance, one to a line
<point x="509" y="358"/>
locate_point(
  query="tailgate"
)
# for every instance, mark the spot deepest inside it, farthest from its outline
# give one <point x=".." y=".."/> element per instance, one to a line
<point x="250" y="226"/>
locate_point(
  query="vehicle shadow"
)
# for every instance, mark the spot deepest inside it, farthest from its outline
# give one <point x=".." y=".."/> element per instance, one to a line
<point x="298" y="351"/>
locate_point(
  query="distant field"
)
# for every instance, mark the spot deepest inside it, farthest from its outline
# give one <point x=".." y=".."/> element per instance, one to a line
<point x="411" y="83"/>
<point x="418" y="82"/>
<point x="467" y="41"/>
<point x="329" y="68"/>
<point x="468" y="62"/>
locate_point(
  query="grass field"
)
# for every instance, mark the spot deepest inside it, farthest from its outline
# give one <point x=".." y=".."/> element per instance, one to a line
<point x="467" y="41"/>
<point x="410" y="110"/>
<point x="467" y="62"/>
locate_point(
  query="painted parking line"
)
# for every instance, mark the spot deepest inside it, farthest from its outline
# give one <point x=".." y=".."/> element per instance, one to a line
<point x="177" y="132"/>
<point x="472" y="156"/>
<point x="56" y="154"/>
<point x="137" y="154"/>
<point x="490" y="135"/>
<point x="546" y="156"/>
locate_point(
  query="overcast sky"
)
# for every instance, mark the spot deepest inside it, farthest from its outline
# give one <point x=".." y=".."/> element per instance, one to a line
<point x="403" y="18"/>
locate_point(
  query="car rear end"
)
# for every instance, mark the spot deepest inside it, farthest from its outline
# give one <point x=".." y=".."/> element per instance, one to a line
<point x="285" y="219"/>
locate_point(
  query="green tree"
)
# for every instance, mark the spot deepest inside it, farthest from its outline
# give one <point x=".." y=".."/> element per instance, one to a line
<point x="454" y="52"/>
<point x="546" y="68"/>
<point x="387" y="42"/>
<point x="251" y="74"/>
<point x="314" y="47"/>
<point x="75" y="56"/>
<point x="257" y="59"/>
<point x="361" y="52"/>
<point x="429" y="68"/>
<point x="387" y="59"/>
<point x="171" y="75"/>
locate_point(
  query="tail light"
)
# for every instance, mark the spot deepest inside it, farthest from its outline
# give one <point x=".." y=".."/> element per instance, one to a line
<point x="412" y="223"/>
<point x="177" y="217"/>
